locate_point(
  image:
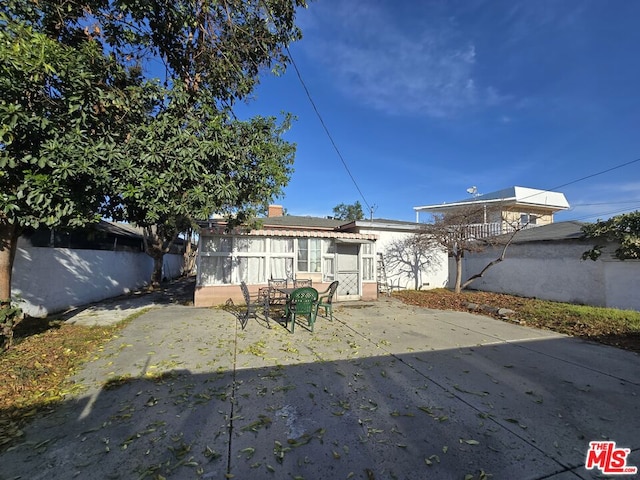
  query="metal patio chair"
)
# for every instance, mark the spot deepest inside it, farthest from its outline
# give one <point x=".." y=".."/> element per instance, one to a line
<point x="276" y="297"/>
<point x="253" y="305"/>
<point x="302" y="282"/>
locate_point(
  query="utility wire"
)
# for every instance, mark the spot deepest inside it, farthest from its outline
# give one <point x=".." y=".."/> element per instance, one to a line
<point x="603" y="203"/>
<point x="597" y="173"/>
<point x="315" y="108"/>
<point x="604" y="214"/>
<point x="584" y="178"/>
<point x="324" y="126"/>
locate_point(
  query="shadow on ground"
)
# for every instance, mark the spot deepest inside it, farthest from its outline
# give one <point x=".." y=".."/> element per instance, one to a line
<point x="184" y="393"/>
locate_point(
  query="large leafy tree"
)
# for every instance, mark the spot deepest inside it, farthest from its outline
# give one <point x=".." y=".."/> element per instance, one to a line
<point x="64" y="107"/>
<point x="213" y="53"/>
<point x="220" y="46"/>
<point x="622" y="229"/>
<point x="74" y="109"/>
<point x="190" y="160"/>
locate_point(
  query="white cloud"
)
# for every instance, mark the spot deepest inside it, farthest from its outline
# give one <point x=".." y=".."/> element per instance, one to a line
<point x="425" y="70"/>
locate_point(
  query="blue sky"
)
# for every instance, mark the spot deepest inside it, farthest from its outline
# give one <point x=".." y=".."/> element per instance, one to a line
<point x="427" y="98"/>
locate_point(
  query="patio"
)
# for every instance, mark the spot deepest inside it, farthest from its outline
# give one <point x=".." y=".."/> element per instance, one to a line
<point x="386" y="390"/>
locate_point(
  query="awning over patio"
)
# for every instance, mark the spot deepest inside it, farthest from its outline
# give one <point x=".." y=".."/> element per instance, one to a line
<point x="340" y="237"/>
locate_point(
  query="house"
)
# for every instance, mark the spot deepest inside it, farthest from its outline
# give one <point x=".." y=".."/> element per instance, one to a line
<point x="503" y="211"/>
<point x="320" y="249"/>
<point x="546" y="263"/>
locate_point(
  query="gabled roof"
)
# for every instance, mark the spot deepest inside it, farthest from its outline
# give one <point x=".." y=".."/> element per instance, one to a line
<point x="522" y="196"/>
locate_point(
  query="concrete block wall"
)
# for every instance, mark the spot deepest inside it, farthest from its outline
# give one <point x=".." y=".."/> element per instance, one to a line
<point x="555" y="271"/>
<point x="50" y="280"/>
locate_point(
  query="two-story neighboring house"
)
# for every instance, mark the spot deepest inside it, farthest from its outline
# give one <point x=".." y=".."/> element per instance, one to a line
<point x="503" y="211"/>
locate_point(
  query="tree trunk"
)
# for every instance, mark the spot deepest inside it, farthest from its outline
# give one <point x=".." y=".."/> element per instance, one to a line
<point x="416" y="271"/>
<point x="458" y="258"/>
<point x="155" y="246"/>
<point x="189" y="255"/>
<point x="9" y="234"/>
<point x="156" y="276"/>
<point x="492" y="263"/>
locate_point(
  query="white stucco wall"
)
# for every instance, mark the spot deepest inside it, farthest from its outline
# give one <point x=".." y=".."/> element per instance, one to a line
<point x="555" y="271"/>
<point x="49" y="280"/>
<point x="433" y="275"/>
<point x="622" y="283"/>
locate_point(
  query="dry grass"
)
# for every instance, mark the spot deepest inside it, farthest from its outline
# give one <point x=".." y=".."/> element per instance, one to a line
<point x="34" y="372"/>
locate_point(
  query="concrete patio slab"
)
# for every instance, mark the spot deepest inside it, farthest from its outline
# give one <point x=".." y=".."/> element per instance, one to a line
<point x="384" y="391"/>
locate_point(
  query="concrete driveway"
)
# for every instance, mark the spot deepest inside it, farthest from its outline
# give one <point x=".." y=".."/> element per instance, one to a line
<point x="385" y="391"/>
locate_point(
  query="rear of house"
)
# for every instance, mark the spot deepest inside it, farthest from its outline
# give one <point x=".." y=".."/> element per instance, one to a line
<point x="288" y="247"/>
<point x="320" y="249"/>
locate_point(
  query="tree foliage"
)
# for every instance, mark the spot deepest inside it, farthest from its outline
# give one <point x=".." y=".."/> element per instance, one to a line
<point x="348" y="212"/>
<point x="82" y="133"/>
<point x="219" y="46"/>
<point x="622" y="229"/>
<point x="188" y="161"/>
<point x="63" y="111"/>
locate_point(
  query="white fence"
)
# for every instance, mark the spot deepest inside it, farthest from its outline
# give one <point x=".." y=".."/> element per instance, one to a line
<point x="49" y="280"/>
<point x="555" y="271"/>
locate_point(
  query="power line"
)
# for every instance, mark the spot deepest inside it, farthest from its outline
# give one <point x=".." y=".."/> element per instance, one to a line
<point x="584" y="178"/>
<point x="324" y="126"/>
<point x="315" y="108"/>
<point x="596" y="174"/>
<point x="603" y="203"/>
<point x="605" y="214"/>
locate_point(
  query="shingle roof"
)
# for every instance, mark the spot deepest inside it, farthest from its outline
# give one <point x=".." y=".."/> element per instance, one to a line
<point x="570" y="230"/>
<point x="303" y="222"/>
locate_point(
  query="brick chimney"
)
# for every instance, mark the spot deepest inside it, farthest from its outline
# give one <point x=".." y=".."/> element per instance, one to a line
<point x="275" y="211"/>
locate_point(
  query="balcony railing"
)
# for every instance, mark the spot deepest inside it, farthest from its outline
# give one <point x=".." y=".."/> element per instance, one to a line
<point x="483" y="230"/>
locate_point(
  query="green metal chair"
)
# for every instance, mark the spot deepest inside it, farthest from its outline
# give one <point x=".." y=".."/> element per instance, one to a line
<point x="302" y="302"/>
<point x="325" y="299"/>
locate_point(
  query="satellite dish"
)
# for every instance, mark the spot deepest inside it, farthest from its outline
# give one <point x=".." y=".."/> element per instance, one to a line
<point x="472" y="190"/>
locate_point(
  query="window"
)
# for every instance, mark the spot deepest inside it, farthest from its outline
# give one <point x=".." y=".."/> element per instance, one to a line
<point x="367" y="269"/>
<point x="368" y="273"/>
<point x="528" y="219"/>
<point x="227" y="259"/>
<point x="328" y="260"/>
<point x="215" y="270"/>
<point x="281" y="245"/>
<point x="309" y="254"/>
<point x="254" y="245"/>
<point x="217" y="244"/>
<point x="251" y="270"/>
